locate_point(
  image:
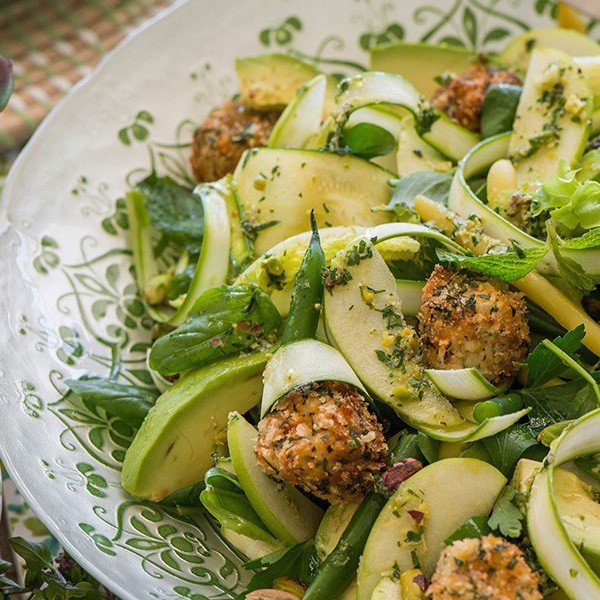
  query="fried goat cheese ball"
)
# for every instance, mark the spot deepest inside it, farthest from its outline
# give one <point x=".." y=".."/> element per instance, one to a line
<point x="488" y="567"/>
<point x="470" y="320"/>
<point x="323" y="438"/>
<point x="221" y="139"/>
<point x="461" y="96"/>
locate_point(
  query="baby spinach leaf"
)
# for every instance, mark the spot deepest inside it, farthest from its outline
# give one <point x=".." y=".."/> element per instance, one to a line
<point x="6" y="81"/>
<point x="436" y="186"/>
<point x="506" y="447"/>
<point x="508" y="266"/>
<point x="506" y="517"/>
<point x="298" y="562"/>
<point x="543" y="365"/>
<point x="174" y="210"/>
<point x="187" y="496"/>
<point x="128" y="402"/>
<point x="368" y="140"/>
<point x="414" y="444"/>
<point x="499" y="108"/>
<point x="557" y="403"/>
<point x="224" y="321"/>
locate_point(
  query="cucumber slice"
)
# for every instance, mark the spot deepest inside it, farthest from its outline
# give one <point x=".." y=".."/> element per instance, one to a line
<point x="410" y="292"/>
<point x="172" y="448"/>
<point x="213" y="263"/>
<point x="277" y="188"/>
<point x="241" y="251"/>
<point x="548" y="128"/>
<point x="462" y="384"/>
<point x="414" y="154"/>
<point x="274" y="272"/>
<point x="300" y="363"/>
<point x="517" y="53"/>
<point x="302" y="117"/>
<point x="473" y="486"/>
<point x="373" y="88"/>
<point x="289" y="515"/>
<point x="335" y="521"/>
<point x="421" y="63"/>
<point x="555" y="550"/>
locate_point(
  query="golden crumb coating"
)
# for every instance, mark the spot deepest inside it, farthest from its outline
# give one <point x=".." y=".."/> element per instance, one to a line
<point x="470" y="320"/>
<point x="488" y="567"/>
<point x="461" y="96"/>
<point x="221" y="139"/>
<point x="323" y="438"/>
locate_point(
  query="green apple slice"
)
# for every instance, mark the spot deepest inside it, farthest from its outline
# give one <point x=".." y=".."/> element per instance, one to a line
<point x="397" y="538"/>
<point x="289" y="515"/>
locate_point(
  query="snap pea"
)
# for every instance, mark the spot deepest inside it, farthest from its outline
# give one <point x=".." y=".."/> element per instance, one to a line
<point x="502" y="405"/>
<point x="307" y="295"/>
<point x="337" y="570"/>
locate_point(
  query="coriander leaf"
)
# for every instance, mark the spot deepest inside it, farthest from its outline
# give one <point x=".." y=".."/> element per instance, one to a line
<point x="506" y="447"/>
<point x="508" y="266"/>
<point x="299" y="562"/>
<point x="557" y="403"/>
<point x="127" y="402"/>
<point x="499" y="108"/>
<point x="224" y="321"/>
<point x="436" y="186"/>
<point x="175" y="210"/>
<point x="543" y="365"/>
<point x="368" y="140"/>
<point x="506" y="517"/>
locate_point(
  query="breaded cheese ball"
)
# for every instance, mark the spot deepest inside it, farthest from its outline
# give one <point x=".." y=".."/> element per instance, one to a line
<point x="470" y="320"/>
<point x="488" y="567"/>
<point x="221" y="139"/>
<point x="461" y="96"/>
<point x="323" y="438"/>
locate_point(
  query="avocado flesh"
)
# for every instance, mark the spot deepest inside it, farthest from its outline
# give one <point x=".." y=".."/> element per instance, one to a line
<point x="270" y="81"/>
<point x="580" y="514"/>
<point x="421" y="63"/>
<point x="172" y="449"/>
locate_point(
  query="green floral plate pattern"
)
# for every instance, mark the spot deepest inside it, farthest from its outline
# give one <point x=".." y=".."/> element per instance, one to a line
<point x="69" y="304"/>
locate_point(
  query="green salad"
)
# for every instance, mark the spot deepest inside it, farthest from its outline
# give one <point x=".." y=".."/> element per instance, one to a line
<point x="377" y="325"/>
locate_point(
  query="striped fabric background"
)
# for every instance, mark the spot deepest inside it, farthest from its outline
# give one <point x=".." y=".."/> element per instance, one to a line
<point x="53" y="44"/>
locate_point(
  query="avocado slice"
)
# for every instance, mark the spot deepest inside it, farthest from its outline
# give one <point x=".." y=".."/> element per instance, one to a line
<point x="172" y="449"/>
<point x="421" y="63"/>
<point x="270" y="81"/>
<point x="517" y="53"/>
<point x="444" y="495"/>
<point x="580" y="514"/>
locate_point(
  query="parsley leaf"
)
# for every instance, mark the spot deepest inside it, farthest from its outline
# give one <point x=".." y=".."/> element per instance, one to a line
<point x="506" y="517"/>
<point x="543" y="365"/>
<point x="508" y="266"/>
<point x="175" y="211"/>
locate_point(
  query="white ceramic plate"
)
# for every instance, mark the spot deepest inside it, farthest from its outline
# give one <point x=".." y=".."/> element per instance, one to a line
<point x="68" y="303"/>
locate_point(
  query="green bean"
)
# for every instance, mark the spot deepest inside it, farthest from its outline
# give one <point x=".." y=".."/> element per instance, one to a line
<point x="502" y="405"/>
<point x="338" y="569"/>
<point x="307" y="295"/>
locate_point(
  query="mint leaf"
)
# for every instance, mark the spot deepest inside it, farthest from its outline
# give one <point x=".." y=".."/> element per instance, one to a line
<point x="507" y="447"/>
<point x="506" y="517"/>
<point x="543" y="365"/>
<point x="590" y="239"/>
<point x="508" y="266"/>
<point x="436" y="186"/>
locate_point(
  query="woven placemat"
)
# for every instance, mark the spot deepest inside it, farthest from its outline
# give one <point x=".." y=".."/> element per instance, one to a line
<point x="52" y="45"/>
